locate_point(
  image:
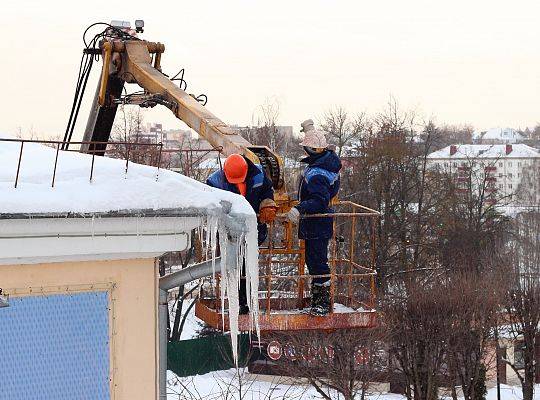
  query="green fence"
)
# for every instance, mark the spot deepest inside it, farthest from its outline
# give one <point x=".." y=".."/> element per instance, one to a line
<point x="207" y="354"/>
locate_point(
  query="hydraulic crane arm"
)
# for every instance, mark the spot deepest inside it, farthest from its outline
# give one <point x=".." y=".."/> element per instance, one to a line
<point x="131" y="61"/>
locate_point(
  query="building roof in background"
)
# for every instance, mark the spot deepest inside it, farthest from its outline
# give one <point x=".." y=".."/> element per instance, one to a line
<point x="111" y="190"/>
<point x="503" y="135"/>
<point x="485" y="151"/>
<point x="211" y="163"/>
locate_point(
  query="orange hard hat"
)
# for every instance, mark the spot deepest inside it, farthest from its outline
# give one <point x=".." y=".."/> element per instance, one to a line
<point x="235" y="168"/>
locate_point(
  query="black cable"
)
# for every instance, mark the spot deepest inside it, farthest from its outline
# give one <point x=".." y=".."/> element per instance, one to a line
<point x="120" y="32"/>
<point x="202" y="98"/>
<point x="74" y="100"/>
<point x="85" y="68"/>
<point x="87" y="75"/>
<point x="181" y="79"/>
<point x="81" y="84"/>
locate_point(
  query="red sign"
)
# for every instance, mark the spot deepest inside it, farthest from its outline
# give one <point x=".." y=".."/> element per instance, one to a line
<point x="274" y="350"/>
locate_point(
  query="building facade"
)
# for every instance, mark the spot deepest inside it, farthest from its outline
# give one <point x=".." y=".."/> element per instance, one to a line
<point x="79" y="238"/>
<point x="506" y="170"/>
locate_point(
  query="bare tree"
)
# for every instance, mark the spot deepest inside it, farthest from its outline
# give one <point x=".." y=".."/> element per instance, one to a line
<point x="523" y="298"/>
<point x="416" y="320"/>
<point x="265" y="130"/>
<point x="387" y="170"/>
<point x="453" y="134"/>
<point x="128" y="124"/>
<point x="128" y="129"/>
<point x="31" y="134"/>
<point x="475" y="300"/>
<point x="345" y="362"/>
<point x="342" y="129"/>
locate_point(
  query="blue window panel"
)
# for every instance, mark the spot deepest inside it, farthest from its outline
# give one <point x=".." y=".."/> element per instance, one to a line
<point x="55" y="347"/>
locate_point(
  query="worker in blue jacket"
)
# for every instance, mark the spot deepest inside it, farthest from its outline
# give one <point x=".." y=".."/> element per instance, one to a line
<point x="241" y="176"/>
<point x="319" y="184"/>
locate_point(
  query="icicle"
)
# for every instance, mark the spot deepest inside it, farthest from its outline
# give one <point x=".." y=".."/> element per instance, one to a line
<point x="236" y="248"/>
<point x="224" y="288"/>
<point x="250" y="250"/>
<point x="233" y="278"/>
<point x="207" y="237"/>
<point x="213" y="229"/>
<point x="238" y="244"/>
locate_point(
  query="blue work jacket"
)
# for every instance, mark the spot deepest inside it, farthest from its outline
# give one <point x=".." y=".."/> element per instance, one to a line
<point x="258" y="188"/>
<point x="319" y="184"/>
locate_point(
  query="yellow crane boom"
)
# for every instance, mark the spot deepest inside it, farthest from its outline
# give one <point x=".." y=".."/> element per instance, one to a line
<point x="138" y="61"/>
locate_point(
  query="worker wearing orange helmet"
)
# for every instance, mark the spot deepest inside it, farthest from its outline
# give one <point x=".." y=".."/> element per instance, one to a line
<point x="240" y="175"/>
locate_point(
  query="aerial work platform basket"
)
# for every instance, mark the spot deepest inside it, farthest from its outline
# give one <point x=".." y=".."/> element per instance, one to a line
<point x="284" y="282"/>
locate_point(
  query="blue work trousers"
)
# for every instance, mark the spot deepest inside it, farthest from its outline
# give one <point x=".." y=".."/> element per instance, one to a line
<point x="317" y="258"/>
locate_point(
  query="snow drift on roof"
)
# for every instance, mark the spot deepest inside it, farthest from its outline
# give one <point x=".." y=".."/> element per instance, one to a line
<point x="111" y="189"/>
<point x="486" y="151"/>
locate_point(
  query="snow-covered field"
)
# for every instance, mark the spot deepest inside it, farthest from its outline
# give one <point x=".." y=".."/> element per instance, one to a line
<point x="232" y="385"/>
<point x="235" y="385"/>
<point x="227" y="384"/>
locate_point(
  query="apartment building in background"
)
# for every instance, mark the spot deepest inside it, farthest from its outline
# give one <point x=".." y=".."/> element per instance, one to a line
<point x="508" y="171"/>
<point x="498" y="136"/>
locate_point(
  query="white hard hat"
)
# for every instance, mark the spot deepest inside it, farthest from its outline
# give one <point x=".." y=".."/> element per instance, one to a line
<point x="313" y="137"/>
<point x="307" y="125"/>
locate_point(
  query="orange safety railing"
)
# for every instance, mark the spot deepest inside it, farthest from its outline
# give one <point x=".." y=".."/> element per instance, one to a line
<point x="284" y="279"/>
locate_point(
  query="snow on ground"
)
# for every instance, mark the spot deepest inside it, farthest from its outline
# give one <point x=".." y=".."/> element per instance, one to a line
<point x="192" y="325"/>
<point x="212" y="386"/>
<point x="227" y="384"/>
<point x="511" y="393"/>
<point x="111" y="189"/>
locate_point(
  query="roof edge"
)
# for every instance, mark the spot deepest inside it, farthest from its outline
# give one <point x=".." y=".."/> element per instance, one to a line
<point x="136" y="213"/>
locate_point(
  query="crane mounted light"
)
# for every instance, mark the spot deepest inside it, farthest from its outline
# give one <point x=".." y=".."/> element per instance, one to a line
<point x="139" y="26"/>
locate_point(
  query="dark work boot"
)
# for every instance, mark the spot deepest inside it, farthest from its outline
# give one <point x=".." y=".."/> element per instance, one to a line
<point x="320" y="299"/>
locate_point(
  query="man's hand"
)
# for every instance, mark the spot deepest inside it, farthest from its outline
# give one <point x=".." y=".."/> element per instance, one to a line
<point x="267" y="214"/>
<point x="293" y="215"/>
<point x="267" y="211"/>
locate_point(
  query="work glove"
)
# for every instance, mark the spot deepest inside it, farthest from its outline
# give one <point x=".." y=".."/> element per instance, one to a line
<point x="267" y="214"/>
<point x="267" y="211"/>
<point x="293" y="215"/>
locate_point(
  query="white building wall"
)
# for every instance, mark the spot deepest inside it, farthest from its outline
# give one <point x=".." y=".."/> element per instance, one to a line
<point x="508" y="169"/>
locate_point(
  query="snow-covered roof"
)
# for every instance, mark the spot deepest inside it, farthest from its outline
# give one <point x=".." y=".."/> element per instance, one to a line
<point x="112" y="189"/>
<point x="503" y="135"/>
<point x="495" y="151"/>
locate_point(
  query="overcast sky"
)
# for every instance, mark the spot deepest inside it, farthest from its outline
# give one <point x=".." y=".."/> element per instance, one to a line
<point x="474" y="62"/>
